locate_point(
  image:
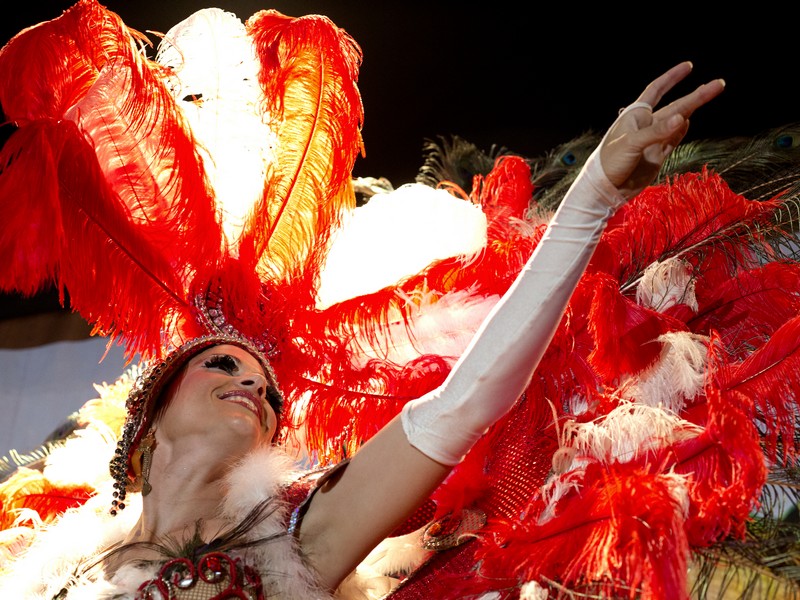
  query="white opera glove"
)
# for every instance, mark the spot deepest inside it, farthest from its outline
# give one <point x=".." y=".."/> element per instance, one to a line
<point x="497" y="365"/>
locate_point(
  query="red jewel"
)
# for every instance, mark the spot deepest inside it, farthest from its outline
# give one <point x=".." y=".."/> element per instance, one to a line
<point x="214" y="564"/>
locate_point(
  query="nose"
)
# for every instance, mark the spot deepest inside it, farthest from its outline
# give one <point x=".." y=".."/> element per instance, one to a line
<point x="255" y="382"/>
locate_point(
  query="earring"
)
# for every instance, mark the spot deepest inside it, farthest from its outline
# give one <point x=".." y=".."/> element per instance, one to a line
<point x="146" y="448"/>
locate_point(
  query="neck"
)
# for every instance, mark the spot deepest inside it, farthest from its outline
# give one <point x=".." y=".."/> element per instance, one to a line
<point x="187" y="481"/>
<point x="189" y="490"/>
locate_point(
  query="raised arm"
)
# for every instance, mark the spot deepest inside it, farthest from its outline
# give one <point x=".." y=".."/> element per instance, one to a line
<point x="400" y="466"/>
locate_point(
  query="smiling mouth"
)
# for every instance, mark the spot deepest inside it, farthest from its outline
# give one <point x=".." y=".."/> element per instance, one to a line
<point x="246" y="399"/>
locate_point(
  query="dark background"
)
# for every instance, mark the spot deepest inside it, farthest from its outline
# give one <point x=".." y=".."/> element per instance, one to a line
<point x="522" y="75"/>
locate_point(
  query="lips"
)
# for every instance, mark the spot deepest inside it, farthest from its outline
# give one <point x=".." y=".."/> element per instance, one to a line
<point x="248" y="400"/>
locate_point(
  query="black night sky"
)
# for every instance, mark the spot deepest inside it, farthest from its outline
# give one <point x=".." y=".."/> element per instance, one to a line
<point x="496" y="75"/>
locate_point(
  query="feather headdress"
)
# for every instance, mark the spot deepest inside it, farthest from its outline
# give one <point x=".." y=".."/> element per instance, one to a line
<point x="658" y="432"/>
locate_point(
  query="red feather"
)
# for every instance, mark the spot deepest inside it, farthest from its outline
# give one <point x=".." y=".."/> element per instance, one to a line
<point x="40" y="495"/>
<point x="506" y="190"/>
<point x="727" y="470"/>
<point x="309" y="69"/>
<point x="688" y="217"/>
<point x="363" y="399"/>
<point x="769" y="378"/>
<point x="124" y="187"/>
<point x="31" y="237"/>
<point x="746" y="308"/>
<point x="620" y="535"/>
<point x="308" y="72"/>
<point x="625" y="334"/>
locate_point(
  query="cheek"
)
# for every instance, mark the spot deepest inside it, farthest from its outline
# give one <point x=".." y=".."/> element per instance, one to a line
<point x="272" y="423"/>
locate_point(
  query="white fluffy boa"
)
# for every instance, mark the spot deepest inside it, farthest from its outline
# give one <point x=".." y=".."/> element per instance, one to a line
<point x="57" y="551"/>
<point x="60" y="549"/>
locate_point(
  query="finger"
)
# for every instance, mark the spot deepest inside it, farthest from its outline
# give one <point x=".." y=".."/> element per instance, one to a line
<point x="657" y="88"/>
<point x="663" y="133"/>
<point x="660" y="149"/>
<point x="686" y="105"/>
<point x="632" y="117"/>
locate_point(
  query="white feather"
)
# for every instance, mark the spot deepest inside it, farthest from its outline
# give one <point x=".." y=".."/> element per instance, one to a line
<point x="373" y="578"/>
<point x="627" y="432"/>
<point x="82" y="533"/>
<point x="249" y="482"/>
<point x="624" y="434"/>
<point x="84" y="460"/>
<point x="395" y="235"/>
<point x="56" y="549"/>
<point x="676" y="377"/>
<point x="665" y="284"/>
<point x="215" y="81"/>
<point x="532" y="591"/>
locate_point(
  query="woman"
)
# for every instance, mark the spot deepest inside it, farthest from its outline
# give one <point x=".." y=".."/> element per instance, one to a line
<point x="200" y="430"/>
<point x="222" y="406"/>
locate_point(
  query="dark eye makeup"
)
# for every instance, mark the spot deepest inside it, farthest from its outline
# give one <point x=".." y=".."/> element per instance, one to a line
<point x="222" y="361"/>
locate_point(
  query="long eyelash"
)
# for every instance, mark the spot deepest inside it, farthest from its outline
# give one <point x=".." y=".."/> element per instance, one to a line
<point x="222" y="361"/>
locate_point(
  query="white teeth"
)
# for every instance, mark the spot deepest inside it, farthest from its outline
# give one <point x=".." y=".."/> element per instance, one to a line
<point x="243" y="401"/>
<point x="247" y="404"/>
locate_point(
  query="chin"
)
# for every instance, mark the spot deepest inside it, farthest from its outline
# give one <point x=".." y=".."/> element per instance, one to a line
<point x="248" y="430"/>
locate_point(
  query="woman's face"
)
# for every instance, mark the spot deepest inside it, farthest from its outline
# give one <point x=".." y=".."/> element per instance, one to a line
<point x="220" y="391"/>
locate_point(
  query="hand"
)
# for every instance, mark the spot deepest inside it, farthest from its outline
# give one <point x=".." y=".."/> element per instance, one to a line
<point x="639" y="141"/>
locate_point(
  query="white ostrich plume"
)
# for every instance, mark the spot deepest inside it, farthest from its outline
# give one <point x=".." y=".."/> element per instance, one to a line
<point x="405" y="230"/>
<point x="627" y="432"/>
<point x="678" y="375"/>
<point x="665" y="284"/>
<point x="215" y="82"/>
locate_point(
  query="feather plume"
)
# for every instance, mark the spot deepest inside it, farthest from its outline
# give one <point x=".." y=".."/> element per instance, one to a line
<point x="14" y="460"/>
<point x="601" y="541"/>
<point x="553" y="173"/>
<point x="124" y="180"/>
<point x="506" y="190"/>
<point x="665" y="284"/>
<point x="455" y="161"/>
<point x="744" y="310"/>
<point x="30" y="490"/>
<point x="47" y="68"/>
<point x="442" y="326"/>
<point x="30" y="240"/>
<point x="309" y="71"/>
<point x="628" y="433"/>
<point x="725" y="469"/>
<point x="88" y="221"/>
<point x="404" y="309"/>
<point x="213" y="78"/>
<point x="759" y="167"/>
<point x="626" y="335"/>
<point x="770" y="378"/>
<point x="142" y="285"/>
<point x="677" y="376"/>
<point x="696" y="216"/>
<point x="410" y="217"/>
<point x="763" y="566"/>
<point x="357" y="398"/>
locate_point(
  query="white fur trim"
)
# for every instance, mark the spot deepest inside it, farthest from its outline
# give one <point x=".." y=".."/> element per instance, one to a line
<point x="81" y="533"/>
